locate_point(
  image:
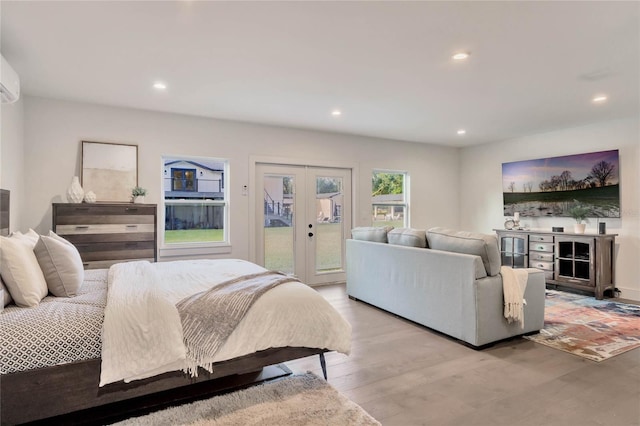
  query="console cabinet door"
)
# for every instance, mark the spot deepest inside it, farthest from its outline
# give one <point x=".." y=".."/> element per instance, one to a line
<point x="575" y="260"/>
<point x="513" y="250"/>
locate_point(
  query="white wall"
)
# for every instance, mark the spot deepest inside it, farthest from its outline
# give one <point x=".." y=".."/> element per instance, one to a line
<point x="54" y="130"/>
<point x="481" y="186"/>
<point x="12" y="158"/>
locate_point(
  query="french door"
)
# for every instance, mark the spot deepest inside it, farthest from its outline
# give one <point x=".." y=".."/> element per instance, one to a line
<point x="303" y="218"/>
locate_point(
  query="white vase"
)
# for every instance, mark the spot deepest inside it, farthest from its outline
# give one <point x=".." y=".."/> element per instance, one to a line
<point x="139" y="199"/>
<point x="578" y="228"/>
<point x="75" y="193"/>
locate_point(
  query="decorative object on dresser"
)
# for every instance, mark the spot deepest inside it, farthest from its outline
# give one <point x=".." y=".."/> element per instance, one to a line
<point x="580" y="261"/>
<point x="108" y="233"/>
<point x="137" y="194"/>
<point x="579" y="212"/>
<point x="75" y="193"/>
<point x="110" y="170"/>
<point x="90" y="197"/>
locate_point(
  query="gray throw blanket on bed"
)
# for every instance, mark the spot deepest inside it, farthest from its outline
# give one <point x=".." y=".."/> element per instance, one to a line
<point x="208" y="318"/>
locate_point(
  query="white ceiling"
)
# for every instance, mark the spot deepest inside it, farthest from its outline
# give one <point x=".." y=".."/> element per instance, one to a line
<point x="534" y="66"/>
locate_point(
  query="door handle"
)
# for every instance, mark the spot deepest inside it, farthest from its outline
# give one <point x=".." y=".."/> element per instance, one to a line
<point x="311" y="234"/>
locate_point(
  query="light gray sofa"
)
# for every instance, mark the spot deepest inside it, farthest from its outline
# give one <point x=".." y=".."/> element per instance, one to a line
<point x="454" y="288"/>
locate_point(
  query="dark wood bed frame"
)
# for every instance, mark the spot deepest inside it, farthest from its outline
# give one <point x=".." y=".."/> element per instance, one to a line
<point x="53" y="391"/>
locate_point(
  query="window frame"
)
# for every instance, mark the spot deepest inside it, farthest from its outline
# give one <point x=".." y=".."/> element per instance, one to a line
<point x="194" y="248"/>
<point x="405" y="196"/>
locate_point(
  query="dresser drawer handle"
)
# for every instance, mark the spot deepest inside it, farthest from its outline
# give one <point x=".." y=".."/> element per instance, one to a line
<point x="131" y="244"/>
<point x="132" y="226"/>
<point x="131" y="209"/>
<point x="82" y="227"/>
<point x="82" y="209"/>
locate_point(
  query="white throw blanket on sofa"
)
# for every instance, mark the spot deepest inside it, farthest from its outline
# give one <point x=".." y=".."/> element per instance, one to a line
<point x="514" y="282"/>
<point x="142" y="333"/>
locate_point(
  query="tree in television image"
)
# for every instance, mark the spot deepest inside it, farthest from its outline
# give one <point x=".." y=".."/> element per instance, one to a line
<point x="552" y="186"/>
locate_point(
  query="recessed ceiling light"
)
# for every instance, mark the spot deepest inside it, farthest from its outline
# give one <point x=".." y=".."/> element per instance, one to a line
<point x="462" y="131"/>
<point x="159" y="85"/>
<point x="599" y="99"/>
<point x="460" y="56"/>
<point x="336" y="112"/>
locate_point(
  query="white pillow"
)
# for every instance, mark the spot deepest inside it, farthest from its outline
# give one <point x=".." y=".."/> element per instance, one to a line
<point x="21" y="273"/>
<point x="6" y="296"/>
<point x="59" y="238"/>
<point x="61" y="265"/>
<point x="31" y="237"/>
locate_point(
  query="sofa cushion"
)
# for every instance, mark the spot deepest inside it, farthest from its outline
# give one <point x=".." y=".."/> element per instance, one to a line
<point x="377" y="234"/>
<point x="483" y="245"/>
<point x="408" y="237"/>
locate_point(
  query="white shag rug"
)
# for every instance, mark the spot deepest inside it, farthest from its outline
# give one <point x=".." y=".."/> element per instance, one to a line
<point x="295" y="400"/>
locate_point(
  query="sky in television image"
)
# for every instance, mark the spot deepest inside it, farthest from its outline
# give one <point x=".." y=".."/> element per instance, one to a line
<point x="553" y="186"/>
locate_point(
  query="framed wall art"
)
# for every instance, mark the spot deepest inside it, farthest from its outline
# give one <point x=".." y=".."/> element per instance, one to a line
<point x="553" y="186"/>
<point x="110" y="170"/>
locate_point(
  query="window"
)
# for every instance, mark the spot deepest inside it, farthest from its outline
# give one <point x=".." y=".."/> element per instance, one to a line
<point x="195" y="202"/>
<point x="183" y="180"/>
<point x="389" y="199"/>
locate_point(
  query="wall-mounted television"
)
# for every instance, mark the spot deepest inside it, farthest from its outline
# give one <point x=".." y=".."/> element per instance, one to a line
<point x="550" y="187"/>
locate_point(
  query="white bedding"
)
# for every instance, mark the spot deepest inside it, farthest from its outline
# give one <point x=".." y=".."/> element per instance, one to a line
<point x="142" y="334"/>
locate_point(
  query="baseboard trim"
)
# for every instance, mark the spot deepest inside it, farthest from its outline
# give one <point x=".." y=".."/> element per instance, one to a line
<point x="629" y="293"/>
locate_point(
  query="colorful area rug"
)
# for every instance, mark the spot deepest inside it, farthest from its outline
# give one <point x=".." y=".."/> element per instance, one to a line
<point x="590" y="328"/>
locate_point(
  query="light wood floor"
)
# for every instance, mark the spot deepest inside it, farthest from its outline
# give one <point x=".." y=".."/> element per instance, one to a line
<point x="404" y="374"/>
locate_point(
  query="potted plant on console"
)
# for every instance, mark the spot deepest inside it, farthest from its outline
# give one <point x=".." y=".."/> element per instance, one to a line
<point x="137" y="194"/>
<point x="579" y="212"/>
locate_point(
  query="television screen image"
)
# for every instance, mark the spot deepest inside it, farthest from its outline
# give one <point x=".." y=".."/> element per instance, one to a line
<point x="550" y="187"/>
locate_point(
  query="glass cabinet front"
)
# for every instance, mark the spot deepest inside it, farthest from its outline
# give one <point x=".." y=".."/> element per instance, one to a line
<point x="513" y="251"/>
<point x="574" y="261"/>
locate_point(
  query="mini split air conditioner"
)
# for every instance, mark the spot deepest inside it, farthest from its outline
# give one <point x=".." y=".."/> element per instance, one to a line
<point x="9" y="83"/>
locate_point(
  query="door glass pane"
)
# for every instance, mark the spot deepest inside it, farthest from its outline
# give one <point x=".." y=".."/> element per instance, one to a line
<point x="278" y="223"/>
<point x="329" y="204"/>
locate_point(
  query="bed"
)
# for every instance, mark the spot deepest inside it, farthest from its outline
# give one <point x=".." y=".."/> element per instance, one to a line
<point x="53" y="355"/>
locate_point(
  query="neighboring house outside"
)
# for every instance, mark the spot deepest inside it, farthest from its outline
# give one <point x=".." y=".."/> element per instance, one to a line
<point x="329" y="206"/>
<point x="190" y="180"/>
<point x="388" y="207"/>
<point x="278" y="204"/>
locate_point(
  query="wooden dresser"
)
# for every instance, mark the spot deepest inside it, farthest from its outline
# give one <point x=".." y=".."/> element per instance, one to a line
<point x="108" y="233"/>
